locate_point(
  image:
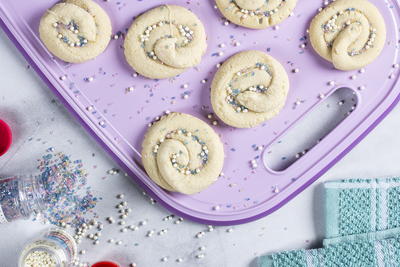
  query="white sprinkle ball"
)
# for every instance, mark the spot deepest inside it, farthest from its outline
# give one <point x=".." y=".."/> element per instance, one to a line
<point x="361" y="70"/>
<point x="90" y="79"/>
<point x="164" y="259"/>
<point x="276" y="27"/>
<point x="199" y="234"/>
<point x="63" y="78"/>
<point x="361" y="87"/>
<point x="220" y="53"/>
<point x="222" y="45"/>
<point x="396" y="65"/>
<point x="133" y="264"/>
<point x="179" y="260"/>
<point x="200" y="256"/>
<point x="229" y="230"/>
<point x="331" y="83"/>
<point x="391" y="76"/>
<point x="296" y="70"/>
<point x="353" y="77"/>
<point x="202" y="248"/>
<point x="216" y="207"/>
<point x="119" y="242"/>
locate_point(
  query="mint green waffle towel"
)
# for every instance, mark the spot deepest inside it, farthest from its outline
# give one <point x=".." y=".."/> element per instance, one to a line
<point x="362" y="216"/>
<point x="361" y="205"/>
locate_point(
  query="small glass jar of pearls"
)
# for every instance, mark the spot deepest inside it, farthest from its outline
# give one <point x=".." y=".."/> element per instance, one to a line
<point x="21" y="197"/>
<point x="54" y="248"/>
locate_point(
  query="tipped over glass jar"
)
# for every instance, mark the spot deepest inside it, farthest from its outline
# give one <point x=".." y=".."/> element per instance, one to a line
<point x="21" y="198"/>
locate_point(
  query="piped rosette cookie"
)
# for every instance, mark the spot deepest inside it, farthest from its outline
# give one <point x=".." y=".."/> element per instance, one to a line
<point x="182" y="153"/>
<point x="256" y="14"/>
<point x="350" y="34"/>
<point x="248" y="89"/>
<point x="165" y="41"/>
<point x="75" y="30"/>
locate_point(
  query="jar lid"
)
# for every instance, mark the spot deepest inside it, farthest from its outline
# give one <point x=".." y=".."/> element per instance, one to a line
<point x="5" y="137"/>
<point x="105" y="264"/>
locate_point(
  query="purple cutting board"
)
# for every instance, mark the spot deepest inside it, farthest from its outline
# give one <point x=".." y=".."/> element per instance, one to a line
<point x="119" y="119"/>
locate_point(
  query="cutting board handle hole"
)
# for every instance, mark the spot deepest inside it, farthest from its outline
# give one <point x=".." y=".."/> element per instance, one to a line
<point x="310" y="130"/>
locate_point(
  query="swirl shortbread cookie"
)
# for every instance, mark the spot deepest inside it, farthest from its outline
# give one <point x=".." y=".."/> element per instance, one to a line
<point x="75" y="30"/>
<point x="248" y="89"/>
<point x="256" y="14"/>
<point x="182" y="153"/>
<point x="350" y="34"/>
<point x="165" y="41"/>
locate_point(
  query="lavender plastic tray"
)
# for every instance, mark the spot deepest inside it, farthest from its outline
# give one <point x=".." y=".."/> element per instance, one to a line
<point x="118" y="119"/>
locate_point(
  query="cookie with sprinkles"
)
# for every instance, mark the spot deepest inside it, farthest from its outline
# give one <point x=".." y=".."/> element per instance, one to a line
<point x="350" y="34"/>
<point x="75" y="30"/>
<point x="248" y="89"/>
<point x="256" y="14"/>
<point x="165" y="41"/>
<point x="182" y="153"/>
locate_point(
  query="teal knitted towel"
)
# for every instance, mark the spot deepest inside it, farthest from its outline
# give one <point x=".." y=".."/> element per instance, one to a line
<point x="360" y="253"/>
<point x="358" y="206"/>
<point x="362" y="216"/>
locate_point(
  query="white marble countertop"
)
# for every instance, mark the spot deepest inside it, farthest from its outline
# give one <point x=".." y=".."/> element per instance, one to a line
<point x="39" y="121"/>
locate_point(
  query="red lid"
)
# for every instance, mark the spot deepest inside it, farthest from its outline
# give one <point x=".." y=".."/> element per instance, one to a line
<point x="105" y="264"/>
<point x="5" y="137"/>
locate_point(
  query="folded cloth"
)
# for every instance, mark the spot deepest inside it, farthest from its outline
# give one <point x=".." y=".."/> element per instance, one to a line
<point x="358" y="206"/>
<point x="361" y="253"/>
<point x="362" y="219"/>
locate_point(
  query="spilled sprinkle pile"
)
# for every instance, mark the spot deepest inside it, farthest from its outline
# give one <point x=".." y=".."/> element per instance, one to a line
<point x="68" y="198"/>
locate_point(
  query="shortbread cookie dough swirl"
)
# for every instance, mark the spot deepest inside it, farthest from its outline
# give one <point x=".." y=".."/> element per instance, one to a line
<point x="182" y="153"/>
<point x="256" y="14"/>
<point x="165" y="41"/>
<point x="75" y="30"/>
<point x="350" y="34"/>
<point x="248" y="89"/>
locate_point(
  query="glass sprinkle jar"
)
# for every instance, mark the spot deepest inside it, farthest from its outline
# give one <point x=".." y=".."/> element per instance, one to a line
<point x="54" y="248"/>
<point x="20" y="198"/>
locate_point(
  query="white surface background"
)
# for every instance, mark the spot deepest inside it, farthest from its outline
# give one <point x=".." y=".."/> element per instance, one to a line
<point x="39" y="121"/>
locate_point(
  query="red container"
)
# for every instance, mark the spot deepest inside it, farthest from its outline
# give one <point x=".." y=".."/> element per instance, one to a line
<point x="105" y="264"/>
<point x="5" y="137"/>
